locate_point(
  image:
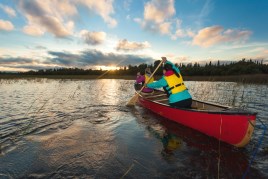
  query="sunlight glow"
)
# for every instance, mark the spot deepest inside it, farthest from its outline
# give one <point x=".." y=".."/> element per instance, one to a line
<point x="112" y="68"/>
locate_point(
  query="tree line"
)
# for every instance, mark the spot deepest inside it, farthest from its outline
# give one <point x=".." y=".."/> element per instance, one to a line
<point x="192" y="69"/>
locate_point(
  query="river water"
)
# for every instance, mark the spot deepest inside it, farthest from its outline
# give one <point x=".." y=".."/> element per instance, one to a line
<point x="83" y="129"/>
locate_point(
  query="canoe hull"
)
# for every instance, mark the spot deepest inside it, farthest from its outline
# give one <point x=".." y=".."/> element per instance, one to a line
<point x="233" y="128"/>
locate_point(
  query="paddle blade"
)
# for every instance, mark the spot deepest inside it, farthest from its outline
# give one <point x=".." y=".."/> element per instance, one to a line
<point x="133" y="100"/>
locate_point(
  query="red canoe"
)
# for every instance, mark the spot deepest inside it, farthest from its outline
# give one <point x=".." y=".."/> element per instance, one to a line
<point x="224" y="123"/>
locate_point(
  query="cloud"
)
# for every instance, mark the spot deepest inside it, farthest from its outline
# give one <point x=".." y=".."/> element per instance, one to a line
<point x="83" y="59"/>
<point x="6" y="25"/>
<point x="125" y="45"/>
<point x="180" y="32"/>
<point x="95" y="58"/>
<point x="56" y="16"/>
<point x="36" y="47"/>
<point x="93" y="38"/>
<point x="157" y="11"/>
<point x="15" y="60"/>
<point x="102" y="7"/>
<point x="265" y="52"/>
<point x="40" y="47"/>
<point x="33" y="30"/>
<point x="157" y="16"/>
<point x="11" y="12"/>
<point x="42" y="16"/>
<point x="263" y="55"/>
<point x="216" y="34"/>
<point x="63" y="59"/>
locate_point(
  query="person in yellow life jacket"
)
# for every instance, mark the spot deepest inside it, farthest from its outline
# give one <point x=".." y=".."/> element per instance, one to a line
<point x="145" y="79"/>
<point x="170" y="141"/>
<point x="173" y="84"/>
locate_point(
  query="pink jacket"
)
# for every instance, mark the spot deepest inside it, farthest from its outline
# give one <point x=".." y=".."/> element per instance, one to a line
<point x="141" y="79"/>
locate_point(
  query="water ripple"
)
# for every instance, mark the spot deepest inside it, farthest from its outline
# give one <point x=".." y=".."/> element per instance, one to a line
<point x="82" y="129"/>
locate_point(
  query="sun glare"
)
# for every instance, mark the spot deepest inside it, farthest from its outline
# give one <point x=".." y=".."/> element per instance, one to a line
<point x="109" y="68"/>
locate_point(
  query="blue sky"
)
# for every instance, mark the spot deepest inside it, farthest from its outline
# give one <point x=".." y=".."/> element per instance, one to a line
<point x="38" y="34"/>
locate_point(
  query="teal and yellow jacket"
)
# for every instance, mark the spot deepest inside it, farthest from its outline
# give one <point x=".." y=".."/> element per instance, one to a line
<point x="173" y="85"/>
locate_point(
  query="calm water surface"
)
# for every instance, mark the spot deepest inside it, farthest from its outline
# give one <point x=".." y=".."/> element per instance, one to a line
<point x="82" y="129"/>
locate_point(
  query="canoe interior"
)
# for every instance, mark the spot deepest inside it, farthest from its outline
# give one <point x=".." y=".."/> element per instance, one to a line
<point x="159" y="96"/>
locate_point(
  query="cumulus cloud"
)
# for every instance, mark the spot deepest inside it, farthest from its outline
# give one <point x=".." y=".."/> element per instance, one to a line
<point x="125" y="45"/>
<point x="6" y="25"/>
<point x="42" y="17"/>
<point x="157" y="10"/>
<point x="93" y="38"/>
<point x="11" y="12"/>
<point x="54" y="16"/>
<point x="180" y="32"/>
<point x="102" y="7"/>
<point x="216" y="34"/>
<point x="157" y="16"/>
<point x="33" y="30"/>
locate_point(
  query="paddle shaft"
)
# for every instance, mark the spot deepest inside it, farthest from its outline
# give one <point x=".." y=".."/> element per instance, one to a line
<point x="133" y="100"/>
<point x="151" y="76"/>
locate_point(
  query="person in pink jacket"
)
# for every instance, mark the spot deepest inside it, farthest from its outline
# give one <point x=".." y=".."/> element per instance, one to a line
<point x="141" y="79"/>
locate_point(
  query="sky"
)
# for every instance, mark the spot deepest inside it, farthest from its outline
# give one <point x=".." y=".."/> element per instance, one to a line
<point x="42" y="34"/>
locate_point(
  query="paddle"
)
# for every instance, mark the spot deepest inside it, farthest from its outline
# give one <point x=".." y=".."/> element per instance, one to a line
<point x="133" y="100"/>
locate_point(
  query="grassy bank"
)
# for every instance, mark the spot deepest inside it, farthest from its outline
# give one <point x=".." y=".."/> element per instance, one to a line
<point x="258" y="78"/>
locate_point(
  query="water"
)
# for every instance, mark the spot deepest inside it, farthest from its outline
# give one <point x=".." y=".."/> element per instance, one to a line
<point x="82" y="129"/>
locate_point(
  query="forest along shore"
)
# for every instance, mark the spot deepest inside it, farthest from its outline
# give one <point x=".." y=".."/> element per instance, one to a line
<point x="256" y="78"/>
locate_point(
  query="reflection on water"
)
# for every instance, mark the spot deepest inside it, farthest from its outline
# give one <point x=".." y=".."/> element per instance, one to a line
<point x="196" y="155"/>
<point x="82" y="129"/>
<point x="170" y="141"/>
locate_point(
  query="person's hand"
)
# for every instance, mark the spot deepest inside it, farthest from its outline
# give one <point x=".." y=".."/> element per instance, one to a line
<point x="164" y="59"/>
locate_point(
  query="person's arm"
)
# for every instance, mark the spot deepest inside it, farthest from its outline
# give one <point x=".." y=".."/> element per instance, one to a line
<point x="157" y="84"/>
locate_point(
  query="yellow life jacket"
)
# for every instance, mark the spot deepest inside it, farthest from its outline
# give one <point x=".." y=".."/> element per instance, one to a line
<point x="173" y="144"/>
<point x="147" y="81"/>
<point x="175" y="83"/>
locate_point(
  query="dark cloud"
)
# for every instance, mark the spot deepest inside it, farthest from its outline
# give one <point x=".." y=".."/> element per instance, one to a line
<point x="12" y="60"/>
<point x="86" y="58"/>
<point x="33" y="67"/>
<point x="95" y="57"/>
<point x="62" y="58"/>
<point x="31" y="7"/>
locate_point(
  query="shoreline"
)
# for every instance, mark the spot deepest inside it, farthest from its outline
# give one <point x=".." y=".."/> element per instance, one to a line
<point x="257" y="78"/>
